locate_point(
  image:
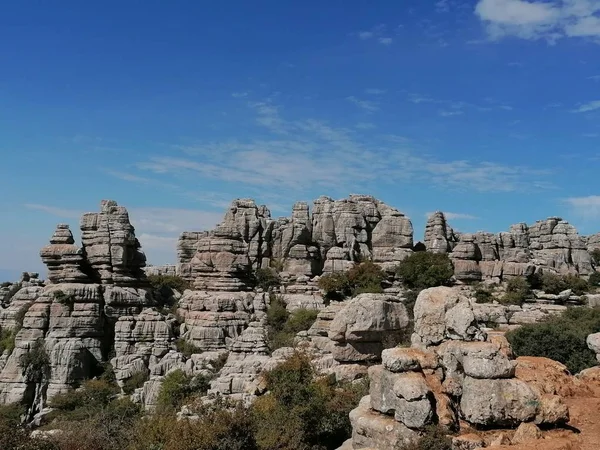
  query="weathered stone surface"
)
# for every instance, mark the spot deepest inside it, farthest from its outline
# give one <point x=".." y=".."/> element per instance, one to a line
<point x="593" y="342"/>
<point x="111" y="248"/>
<point x="442" y="313"/>
<point x="482" y="360"/>
<point x="526" y="432"/>
<point x="502" y="402"/>
<point x="63" y="258"/>
<point x="373" y="430"/>
<point x="439" y="236"/>
<point x="361" y="325"/>
<point x="401" y="359"/>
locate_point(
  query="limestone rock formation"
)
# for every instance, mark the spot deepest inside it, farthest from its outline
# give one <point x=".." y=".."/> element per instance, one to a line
<point x="73" y="317"/>
<point x="439" y="236"/>
<point x="453" y="371"/>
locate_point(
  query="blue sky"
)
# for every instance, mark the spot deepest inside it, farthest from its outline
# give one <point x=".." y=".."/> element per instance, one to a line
<point x="488" y="110"/>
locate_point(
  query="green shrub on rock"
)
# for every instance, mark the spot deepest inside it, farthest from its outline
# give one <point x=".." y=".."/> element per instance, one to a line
<point x="177" y="388"/>
<point x="267" y="278"/>
<point x="561" y="338"/>
<point x="283" y="326"/>
<point x="362" y="278"/>
<point x="552" y="283"/>
<point x="518" y="290"/>
<point x="594" y="279"/>
<point x="423" y="270"/>
<point x="134" y="382"/>
<point x="161" y="282"/>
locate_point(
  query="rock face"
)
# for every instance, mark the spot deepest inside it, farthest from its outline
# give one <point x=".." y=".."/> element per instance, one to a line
<point x="453" y="370"/>
<point x="337" y="233"/>
<point x="73" y="317"/>
<point x="439" y="236"/>
<point x="593" y="342"/>
<point x="552" y="244"/>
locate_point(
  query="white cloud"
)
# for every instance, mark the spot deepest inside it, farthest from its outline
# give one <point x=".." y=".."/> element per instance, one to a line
<point x="376" y="32"/>
<point x="375" y="91"/>
<point x="364" y="35"/>
<point x="587" y="107"/>
<point x="586" y="207"/>
<point x="314" y="153"/>
<point x="55" y="211"/>
<point x="444" y="113"/>
<point x="385" y="40"/>
<point x="455" y="216"/>
<point x="239" y="94"/>
<point x="549" y="20"/>
<point x="364" y="104"/>
<point x="594" y="77"/>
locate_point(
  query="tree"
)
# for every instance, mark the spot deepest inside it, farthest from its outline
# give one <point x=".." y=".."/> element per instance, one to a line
<point x="423" y="270"/>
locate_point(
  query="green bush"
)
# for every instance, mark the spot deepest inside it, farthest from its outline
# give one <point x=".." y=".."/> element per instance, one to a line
<point x="135" y="381"/>
<point x="173" y="282"/>
<point x="364" y="277"/>
<point x="177" y="388"/>
<point x="423" y="270"/>
<point x="35" y="364"/>
<point x="435" y="438"/>
<point x="594" y="279"/>
<point x="561" y="338"/>
<point x="300" y="412"/>
<point x="335" y="285"/>
<point x="517" y="291"/>
<point x="595" y="254"/>
<point x="267" y="278"/>
<point x="187" y="348"/>
<point x="554" y="284"/>
<point x="282" y="326"/>
<point x="483" y="295"/>
<point x="7" y="340"/>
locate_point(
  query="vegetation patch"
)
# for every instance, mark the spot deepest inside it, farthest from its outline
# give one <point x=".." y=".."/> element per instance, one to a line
<point x="35" y="364"/>
<point x="178" y="388"/>
<point x="187" y="348"/>
<point x="552" y="283"/>
<point x="267" y="278"/>
<point x="594" y="279"/>
<point x="561" y="338"/>
<point x="423" y="270"/>
<point x="170" y="282"/>
<point x="135" y="381"/>
<point x="364" y="277"/>
<point x="282" y="326"/>
<point x="518" y="290"/>
<point x="434" y="438"/>
<point x="65" y="299"/>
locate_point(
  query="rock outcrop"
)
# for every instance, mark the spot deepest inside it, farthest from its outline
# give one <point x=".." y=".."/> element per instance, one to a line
<point x="552" y="245"/>
<point x="453" y="370"/>
<point x="72" y="319"/>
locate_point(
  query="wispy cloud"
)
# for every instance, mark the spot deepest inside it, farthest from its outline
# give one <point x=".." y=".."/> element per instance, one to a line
<point x="454" y="216"/>
<point x="375" y="91"/>
<point x="55" y="211"/>
<point x="549" y="20"/>
<point x="378" y="32"/>
<point x="239" y="94"/>
<point x="364" y="126"/>
<point x="594" y="78"/>
<point x="444" y="113"/>
<point x="585" y="207"/>
<point x="315" y="153"/>
<point x="368" y="106"/>
<point x="587" y="107"/>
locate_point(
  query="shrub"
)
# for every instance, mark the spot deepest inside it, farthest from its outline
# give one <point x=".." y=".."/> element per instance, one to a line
<point x="220" y="426"/>
<point x="177" y="388"/>
<point x="336" y="285"/>
<point x="435" y="438"/>
<point x="7" y="340"/>
<point x="517" y="291"/>
<point x="594" y="279"/>
<point x="483" y="295"/>
<point x="562" y="338"/>
<point x="554" y="284"/>
<point x="65" y="299"/>
<point x="35" y="364"/>
<point x="282" y="326"/>
<point x="172" y="282"/>
<point x="135" y="381"/>
<point x="365" y="277"/>
<point x="187" y="348"/>
<point x="300" y="412"/>
<point x="423" y="270"/>
<point x="595" y="254"/>
<point x="266" y="278"/>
